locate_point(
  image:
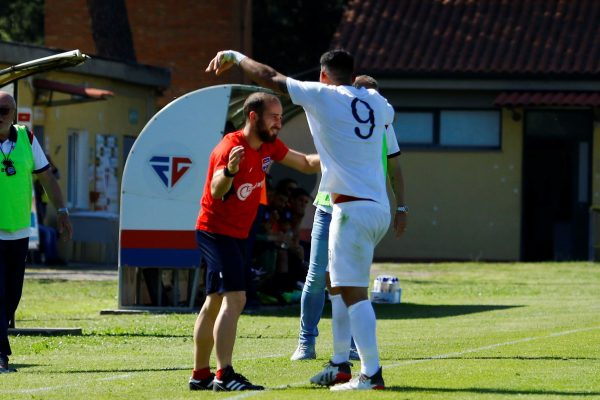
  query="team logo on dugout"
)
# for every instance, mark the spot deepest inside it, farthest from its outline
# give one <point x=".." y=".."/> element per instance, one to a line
<point x="170" y="169"/>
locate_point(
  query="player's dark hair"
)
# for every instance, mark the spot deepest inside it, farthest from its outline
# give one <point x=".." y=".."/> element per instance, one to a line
<point x="366" y="81"/>
<point x="256" y="102"/>
<point x="339" y="65"/>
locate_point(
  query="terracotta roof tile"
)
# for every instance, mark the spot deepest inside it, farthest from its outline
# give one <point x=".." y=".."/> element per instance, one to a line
<point x="482" y="37"/>
<point x="576" y="99"/>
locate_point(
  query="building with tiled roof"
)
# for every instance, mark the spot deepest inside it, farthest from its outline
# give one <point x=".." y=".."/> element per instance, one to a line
<point x="497" y="113"/>
<point x="477" y="38"/>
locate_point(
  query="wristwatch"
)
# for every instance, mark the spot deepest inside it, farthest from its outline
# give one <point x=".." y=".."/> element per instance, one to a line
<point x="402" y="209"/>
<point x="63" y="210"/>
<point x="228" y="173"/>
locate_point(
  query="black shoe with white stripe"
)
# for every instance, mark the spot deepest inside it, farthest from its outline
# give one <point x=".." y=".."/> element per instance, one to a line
<point x="202" y="384"/>
<point x="232" y="381"/>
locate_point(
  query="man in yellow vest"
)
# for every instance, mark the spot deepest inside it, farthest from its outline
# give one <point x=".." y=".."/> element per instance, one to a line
<point x="20" y="156"/>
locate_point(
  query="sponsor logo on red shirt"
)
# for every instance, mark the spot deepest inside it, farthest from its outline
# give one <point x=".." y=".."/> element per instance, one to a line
<point x="245" y="190"/>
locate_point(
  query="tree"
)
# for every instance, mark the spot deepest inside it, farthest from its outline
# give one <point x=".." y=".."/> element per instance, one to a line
<point x="22" y="21"/>
<point x="110" y="29"/>
<point x="290" y="36"/>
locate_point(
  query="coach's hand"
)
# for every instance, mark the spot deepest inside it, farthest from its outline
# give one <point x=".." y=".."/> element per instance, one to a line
<point x="224" y="60"/>
<point x="236" y="155"/>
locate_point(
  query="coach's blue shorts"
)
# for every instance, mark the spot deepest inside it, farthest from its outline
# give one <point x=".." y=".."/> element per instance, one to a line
<point x="226" y="259"/>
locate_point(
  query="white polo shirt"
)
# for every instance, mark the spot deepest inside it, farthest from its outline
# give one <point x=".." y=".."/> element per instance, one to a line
<point x="347" y="125"/>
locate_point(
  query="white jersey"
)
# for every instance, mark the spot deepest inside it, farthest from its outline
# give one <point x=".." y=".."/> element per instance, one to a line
<point x="393" y="149"/>
<point x="348" y="126"/>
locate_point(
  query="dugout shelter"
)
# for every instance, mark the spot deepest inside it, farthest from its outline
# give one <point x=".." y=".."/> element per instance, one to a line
<point x="163" y="179"/>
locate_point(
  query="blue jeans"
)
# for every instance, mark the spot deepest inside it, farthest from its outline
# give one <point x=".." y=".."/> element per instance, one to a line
<point x="48" y="241"/>
<point x="313" y="294"/>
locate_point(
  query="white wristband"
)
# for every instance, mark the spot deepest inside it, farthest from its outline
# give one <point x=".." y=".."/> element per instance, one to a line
<point x="232" y="55"/>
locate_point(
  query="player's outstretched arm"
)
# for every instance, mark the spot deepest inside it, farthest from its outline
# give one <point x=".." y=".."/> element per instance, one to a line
<point x="306" y="163"/>
<point x="262" y="74"/>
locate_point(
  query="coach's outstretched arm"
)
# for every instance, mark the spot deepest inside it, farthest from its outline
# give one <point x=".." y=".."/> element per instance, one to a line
<point x="262" y="74"/>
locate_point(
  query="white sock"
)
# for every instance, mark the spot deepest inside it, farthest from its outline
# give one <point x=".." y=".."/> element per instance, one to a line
<point x="340" y="326"/>
<point x="363" y="328"/>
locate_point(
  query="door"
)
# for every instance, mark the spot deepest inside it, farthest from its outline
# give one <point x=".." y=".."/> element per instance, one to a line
<point x="556" y="185"/>
<point x="78" y="170"/>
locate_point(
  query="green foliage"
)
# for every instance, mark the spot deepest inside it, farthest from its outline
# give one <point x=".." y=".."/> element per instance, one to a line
<point x="463" y="331"/>
<point x="22" y="21"/>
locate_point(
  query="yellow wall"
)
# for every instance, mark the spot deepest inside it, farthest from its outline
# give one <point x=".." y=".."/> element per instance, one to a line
<point x="97" y="117"/>
<point x="595" y="229"/>
<point x="596" y="163"/>
<point x="108" y="117"/>
<point x="463" y="204"/>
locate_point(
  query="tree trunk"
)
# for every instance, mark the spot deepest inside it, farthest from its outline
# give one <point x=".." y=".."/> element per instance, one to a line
<point x="110" y="29"/>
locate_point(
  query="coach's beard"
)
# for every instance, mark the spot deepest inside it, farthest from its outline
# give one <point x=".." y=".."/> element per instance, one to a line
<point x="264" y="134"/>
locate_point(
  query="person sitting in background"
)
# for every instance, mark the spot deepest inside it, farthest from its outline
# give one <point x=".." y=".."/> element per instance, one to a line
<point x="270" y="242"/>
<point x="280" y="252"/>
<point x="286" y="185"/>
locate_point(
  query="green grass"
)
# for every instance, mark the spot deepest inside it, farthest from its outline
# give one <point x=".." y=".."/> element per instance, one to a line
<point x="463" y="331"/>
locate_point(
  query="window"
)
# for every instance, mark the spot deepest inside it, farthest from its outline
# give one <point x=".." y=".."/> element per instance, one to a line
<point x="448" y="128"/>
<point x="414" y="127"/>
<point x="470" y="128"/>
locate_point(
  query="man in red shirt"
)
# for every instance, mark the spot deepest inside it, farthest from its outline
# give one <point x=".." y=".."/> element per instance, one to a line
<point x="229" y="204"/>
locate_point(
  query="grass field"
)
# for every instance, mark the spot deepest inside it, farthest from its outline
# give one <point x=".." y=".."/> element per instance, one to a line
<point x="463" y="331"/>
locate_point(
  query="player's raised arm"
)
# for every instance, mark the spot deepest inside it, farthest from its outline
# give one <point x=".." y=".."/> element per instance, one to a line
<point x="262" y="74"/>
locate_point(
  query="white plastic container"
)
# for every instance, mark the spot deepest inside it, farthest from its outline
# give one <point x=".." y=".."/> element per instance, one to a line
<point x="386" y="289"/>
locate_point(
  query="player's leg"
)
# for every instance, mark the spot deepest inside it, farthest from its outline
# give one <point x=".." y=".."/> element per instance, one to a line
<point x="4" y="344"/>
<point x="223" y="256"/>
<point x="340" y="325"/>
<point x="203" y="330"/>
<point x="226" y="326"/>
<point x="338" y="369"/>
<point x="202" y="378"/>
<point x="313" y="293"/>
<point x="232" y="254"/>
<point x="13" y="271"/>
<point x="352" y="247"/>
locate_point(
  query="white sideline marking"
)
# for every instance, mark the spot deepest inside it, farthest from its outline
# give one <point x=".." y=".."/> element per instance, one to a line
<point x="491" y="346"/>
<point x="112" y="378"/>
<point x="46" y="388"/>
<point x="436" y="357"/>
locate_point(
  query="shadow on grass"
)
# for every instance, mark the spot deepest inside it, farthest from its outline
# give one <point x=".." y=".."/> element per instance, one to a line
<point x="475" y="390"/>
<point x="396" y="311"/>
<point x="19" y="367"/>
<point x="416" y="311"/>
<point x="119" y="370"/>
<point x="406" y="390"/>
<point x="138" y="334"/>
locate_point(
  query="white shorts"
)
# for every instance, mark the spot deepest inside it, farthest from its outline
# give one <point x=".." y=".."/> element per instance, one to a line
<point x="356" y="228"/>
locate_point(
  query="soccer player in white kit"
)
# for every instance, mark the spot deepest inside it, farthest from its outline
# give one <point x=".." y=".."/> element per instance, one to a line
<point x="347" y="125"/>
